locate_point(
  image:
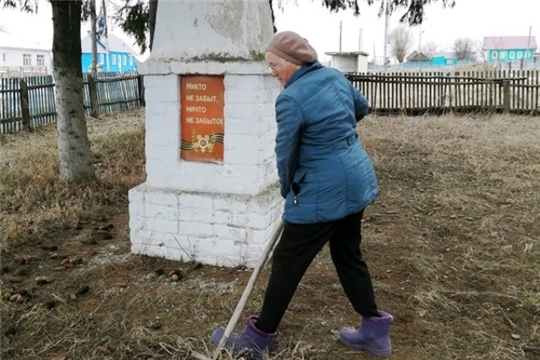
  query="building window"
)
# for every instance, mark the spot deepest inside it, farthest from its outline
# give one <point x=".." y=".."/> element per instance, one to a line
<point x="27" y="60"/>
<point x="125" y="60"/>
<point x="520" y="54"/>
<point x="503" y="55"/>
<point x="512" y="55"/>
<point x="3" y="56"/>
<point x="494" y="55"/>
<point x="114" y="59"/>
<point x="101" y="59"/>
<point x="130" y="60"/>
<point x="40" y="60"/>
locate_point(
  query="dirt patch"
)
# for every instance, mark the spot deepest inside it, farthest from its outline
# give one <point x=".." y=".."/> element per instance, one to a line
<point x="452" y="244"/>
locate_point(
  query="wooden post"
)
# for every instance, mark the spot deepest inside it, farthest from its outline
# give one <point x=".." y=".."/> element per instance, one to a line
<point x="506" y="96"/>
<point x="141" y="90"/>
<point x="25" y="105"/>
<point x="450" y="92"/>
<point x="92" y="90"/>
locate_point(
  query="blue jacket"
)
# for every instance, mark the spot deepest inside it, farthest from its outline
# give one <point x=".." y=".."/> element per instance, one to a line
<point x="324" y="172"/>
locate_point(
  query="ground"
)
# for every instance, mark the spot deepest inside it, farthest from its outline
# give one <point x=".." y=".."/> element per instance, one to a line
<point x="452" y="242"/>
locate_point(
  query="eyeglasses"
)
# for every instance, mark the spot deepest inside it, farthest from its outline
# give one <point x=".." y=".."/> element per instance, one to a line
<point x="274" y="67"/>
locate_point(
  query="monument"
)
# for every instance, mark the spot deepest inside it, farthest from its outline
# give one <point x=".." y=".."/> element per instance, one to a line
<point x="211" y="193"/>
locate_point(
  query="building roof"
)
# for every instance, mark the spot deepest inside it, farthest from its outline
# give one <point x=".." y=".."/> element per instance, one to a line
<point x="416" y="56"/>
<point x="347" y="53"/>
<point x="509" y="42"/>
<point x="115" y="44"/>
<point x="8" y="40"/>
<point x="445" y="54"/>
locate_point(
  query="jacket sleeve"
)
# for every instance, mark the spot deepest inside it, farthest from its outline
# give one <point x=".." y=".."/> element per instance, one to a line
<point x="361" y="106"/>
<point x="289" y="121"/>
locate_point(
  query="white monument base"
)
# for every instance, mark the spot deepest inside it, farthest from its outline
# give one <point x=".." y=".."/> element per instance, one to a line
<point x="213" y="229"/>
<point x="211" y="191"/>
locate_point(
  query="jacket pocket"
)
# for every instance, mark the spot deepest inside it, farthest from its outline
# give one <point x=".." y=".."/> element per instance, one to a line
<point x="296" y="186"/>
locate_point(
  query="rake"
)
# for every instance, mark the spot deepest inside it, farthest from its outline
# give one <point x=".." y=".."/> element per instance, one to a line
<point x="247" y="291"/>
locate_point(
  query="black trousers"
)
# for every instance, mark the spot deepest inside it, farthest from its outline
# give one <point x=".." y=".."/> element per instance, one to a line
<point x="298" y="246"/>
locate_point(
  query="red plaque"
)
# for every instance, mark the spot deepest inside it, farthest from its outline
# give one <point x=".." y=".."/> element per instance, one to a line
<point x="202" y="118"/>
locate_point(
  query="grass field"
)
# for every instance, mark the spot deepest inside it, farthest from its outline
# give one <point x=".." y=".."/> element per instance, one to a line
<point x="453" y="244"/>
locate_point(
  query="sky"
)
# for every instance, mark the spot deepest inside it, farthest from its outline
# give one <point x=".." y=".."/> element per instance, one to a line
<point x="472" y="19"/>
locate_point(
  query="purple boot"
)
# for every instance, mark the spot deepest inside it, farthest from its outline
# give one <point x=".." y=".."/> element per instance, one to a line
<point x="373" y="335"/>
<point x="250" y="343"/>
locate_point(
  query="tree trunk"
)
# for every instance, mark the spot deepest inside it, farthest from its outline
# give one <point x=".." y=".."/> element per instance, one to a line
<point x="152" y="13"/>
<point x="75" y="156"/>
<point x="273" y="15"/>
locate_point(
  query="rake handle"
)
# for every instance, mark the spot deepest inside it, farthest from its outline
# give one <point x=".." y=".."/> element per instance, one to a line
<point x="249" y="288"/>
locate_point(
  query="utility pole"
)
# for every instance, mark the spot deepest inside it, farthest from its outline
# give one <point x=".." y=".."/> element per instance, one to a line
<point x="106" y="33"/>
<point x="340" y="31"/>
<point x="386" y="24"/>
<point x="361" y="40"/>
<point x="93" y="66"/>
<point x="420" y="40"/>
<point x="527" y="50"/>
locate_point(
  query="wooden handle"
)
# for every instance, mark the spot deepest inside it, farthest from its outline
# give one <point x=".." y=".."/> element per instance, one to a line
<point x="249" y="287"/>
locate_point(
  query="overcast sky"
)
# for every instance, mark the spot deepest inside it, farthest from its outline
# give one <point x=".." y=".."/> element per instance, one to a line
<point x="470" y="18"/>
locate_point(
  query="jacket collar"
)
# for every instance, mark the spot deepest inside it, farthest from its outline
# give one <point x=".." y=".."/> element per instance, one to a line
<point x="302" y="71"/>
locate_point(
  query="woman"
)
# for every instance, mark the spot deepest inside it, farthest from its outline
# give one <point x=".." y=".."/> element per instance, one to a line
<point x="327" y="180"/>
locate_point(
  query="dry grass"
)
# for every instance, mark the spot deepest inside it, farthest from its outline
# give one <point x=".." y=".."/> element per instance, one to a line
<point x="36" y="204"/>
<point x="452" y="243"/>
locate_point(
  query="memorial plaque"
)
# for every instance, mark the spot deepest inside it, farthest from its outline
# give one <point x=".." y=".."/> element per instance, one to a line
<point x="202" y="118"/>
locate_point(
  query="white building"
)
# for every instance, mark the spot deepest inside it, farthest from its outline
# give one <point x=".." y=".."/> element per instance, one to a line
<point x="19" y="57"/>
<point x="349" y="61"/>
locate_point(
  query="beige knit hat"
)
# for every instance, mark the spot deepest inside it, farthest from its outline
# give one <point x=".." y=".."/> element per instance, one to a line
<point x="292" y="47"/>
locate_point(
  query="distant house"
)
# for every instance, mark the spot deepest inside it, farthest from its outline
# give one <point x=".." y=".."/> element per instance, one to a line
<point x="509" y="48"/>
<point x="437" y="59"/>
<point x="444" y="59"/>
<point x="352" y="61"/>
<point x="119" y="57"/>
<point x="417" y="59"/>
<point x="19" y="57"/>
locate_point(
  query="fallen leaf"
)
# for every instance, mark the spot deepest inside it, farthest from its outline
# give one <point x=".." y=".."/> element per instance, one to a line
<point x="43" y="280"/>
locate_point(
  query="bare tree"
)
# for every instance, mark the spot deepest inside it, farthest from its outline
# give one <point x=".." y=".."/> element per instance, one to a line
<point x="464" y="48"/>
<point x="431" y="48"/>
<point x="401" y="42"/>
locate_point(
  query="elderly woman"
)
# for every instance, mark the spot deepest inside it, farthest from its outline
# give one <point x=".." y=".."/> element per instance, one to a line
<point x="327" y="180"/>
